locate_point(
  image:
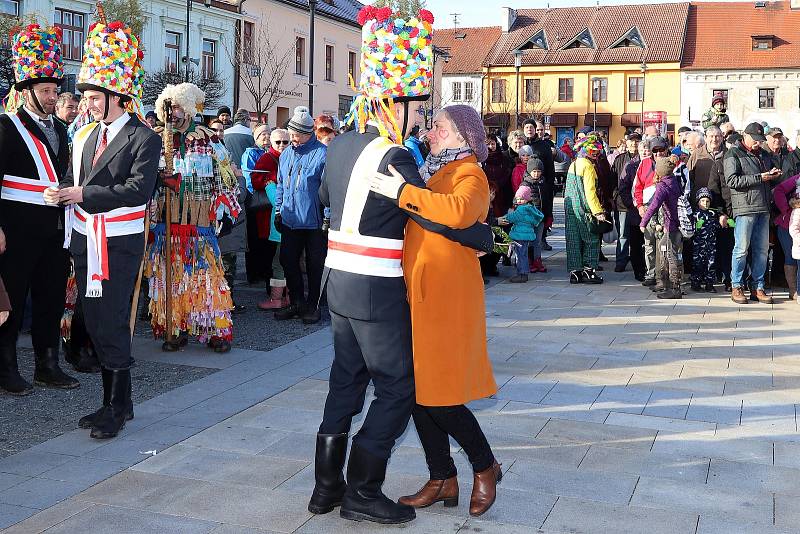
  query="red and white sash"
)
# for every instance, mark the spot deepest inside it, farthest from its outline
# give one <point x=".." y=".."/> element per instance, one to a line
<point x="98" y="228"/>
<point x="348" y="249"/>
<point x="30" y="190"/>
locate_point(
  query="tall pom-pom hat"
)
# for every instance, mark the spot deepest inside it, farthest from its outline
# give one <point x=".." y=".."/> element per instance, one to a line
<point x="36" y="58"/>
<point x="396" y="66"/>
<point x="112" y="63"/>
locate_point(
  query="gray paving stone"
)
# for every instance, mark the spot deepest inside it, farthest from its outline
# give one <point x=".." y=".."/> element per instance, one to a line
<point x="526" y="389"/>
<point x="667" y="403"/>
<point x="512" y="506"/>
<point x="673" y="495"/>
<point x="602" y="486"/>
<point x="575" y="432"/>
<point x="510" y="423"/>
<point x="723" y="410"/>
<point x="10" y="514"/>
<point x="578" y="412"/>
<point x="747" y="450"/>
<point x="41" y="521"/>
<point x="655" y="465"/>
<point x="238" y="529"/>
<point x="234" y="438"/>
<point x="294" y="445"/>
<point x="787" y="512"/>
<point x="721" y="524"/>
<point x="125" y="521"/>
<point x="622" y="399"/>
<point x="590" y="517"/>
<point x="75" y="443"/>
<point x="280" y="418"/>
<point x="41" y="493"/>
<point x="222" y="466"/>
<point x="754" y="477"/>
<point x="7" y="480"/>
<point x="85" y="470"/>
<point x="159" y="434"/>
<point x="122" y="451"/>
<point x="665" y="424"/>
<point x="566" y="394"/>
<point x="425" y="522"/>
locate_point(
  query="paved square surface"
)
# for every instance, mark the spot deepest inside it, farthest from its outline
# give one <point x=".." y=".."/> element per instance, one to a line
<point x="617" y="413"/>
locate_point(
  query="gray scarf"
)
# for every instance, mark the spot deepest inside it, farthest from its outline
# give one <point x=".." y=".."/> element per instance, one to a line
<point x="434" y="163"/>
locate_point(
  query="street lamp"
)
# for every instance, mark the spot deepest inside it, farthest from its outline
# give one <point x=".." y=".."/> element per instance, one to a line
<point x="517" y="66"/>
<point x="312" y="9"/>
<point x="595" y="94"/>
<point x="643" y="69"/>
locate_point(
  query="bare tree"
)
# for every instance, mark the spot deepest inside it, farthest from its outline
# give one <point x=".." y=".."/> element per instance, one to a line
<point x="262" y="66"/>
<point x="155" y="82"/>
<point x="404" y="7"/>
<point x="128" y="12"/>
<point x="9" y="26"/>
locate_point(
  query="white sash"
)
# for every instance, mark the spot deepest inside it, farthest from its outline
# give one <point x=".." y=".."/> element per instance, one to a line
<point x="30" y="190"/>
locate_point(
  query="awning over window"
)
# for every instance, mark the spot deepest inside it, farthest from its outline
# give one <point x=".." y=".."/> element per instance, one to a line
<point x="631" y="119"/>
<point x="564" y="120"/>
<point x="603" y="119"/>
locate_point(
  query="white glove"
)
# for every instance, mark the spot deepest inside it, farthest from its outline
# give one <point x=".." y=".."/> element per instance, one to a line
<point x="387" y="185"/>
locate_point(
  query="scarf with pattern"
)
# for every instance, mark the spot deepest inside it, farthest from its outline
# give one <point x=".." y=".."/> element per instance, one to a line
<point x="434" y="163"/>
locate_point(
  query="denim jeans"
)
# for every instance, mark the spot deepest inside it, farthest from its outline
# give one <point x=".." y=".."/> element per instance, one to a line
<point x="521" y="251"/>
<point x="751" y="234"/>
<point x="537" y="245"/>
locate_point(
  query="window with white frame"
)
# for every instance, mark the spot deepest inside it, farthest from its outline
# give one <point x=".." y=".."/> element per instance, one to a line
<point x="456" y="91"/>
<point x="172" y="51"/>
<point x="329" y="63"/>
<point x="469" y="91"/>
<point x="209" y="57"/>
<point x="9" y="7"/>
<point x="72" y="24"/>
<point x="766" y="98"/>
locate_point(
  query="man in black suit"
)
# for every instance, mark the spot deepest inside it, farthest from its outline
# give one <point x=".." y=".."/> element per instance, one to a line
<point x="34" y="154"/>
<point x="111" y="179"/>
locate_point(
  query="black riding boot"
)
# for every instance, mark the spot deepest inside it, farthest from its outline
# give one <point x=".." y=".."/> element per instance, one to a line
<point x="48" y="373"/>
<point x="87" y="421"/>
<point x="328" y="464"/>
<point x="364" y="500"/>
<point x="112" y="419"/>
<point x="10" y="379"/>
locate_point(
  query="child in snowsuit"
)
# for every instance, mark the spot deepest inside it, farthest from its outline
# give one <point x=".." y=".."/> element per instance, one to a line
<point x="534" y="178"/>
<point x="524" y="217"/>
<point x="704" y="243"/>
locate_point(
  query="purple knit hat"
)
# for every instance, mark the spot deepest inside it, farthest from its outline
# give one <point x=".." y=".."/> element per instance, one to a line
<point x="469" y="124"/>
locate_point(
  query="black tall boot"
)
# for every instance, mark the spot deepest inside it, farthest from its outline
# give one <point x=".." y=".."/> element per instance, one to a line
<point x="87" y="421"/>
<point x="364" y="500"/>
<point x="48" y="373"/>
<point x="112" y="419"/>
<point x="10" y="379"/>
<point x="328" y="464"/>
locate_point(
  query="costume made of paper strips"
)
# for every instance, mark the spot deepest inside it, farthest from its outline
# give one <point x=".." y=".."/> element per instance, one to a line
<point x="203" y="208"/>
<point x="34" y="155"/>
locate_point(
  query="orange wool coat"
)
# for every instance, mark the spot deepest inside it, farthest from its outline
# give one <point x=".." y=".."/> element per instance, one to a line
<point x="445" y="288"/>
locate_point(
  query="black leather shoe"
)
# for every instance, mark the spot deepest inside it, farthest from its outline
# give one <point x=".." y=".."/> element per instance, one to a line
<point x="363" y="500"/>
<point x="639" y="277"/>
<point x="87" y="421"/>
<point x="649" y="282"/>
<point x="710" y="288"/>
<point x="591" y="277"/>
<point x="10" y="380"/>
<point x="292" y="311"/>
<point x="577" y="277"/>
<point x="111" y="420"/>
<point x="328" y="464"/>
<point x="312" y="316"/>
<point x="619" y="269"/>
<point x="48" y="373"/>
<point x="87" y="361"/>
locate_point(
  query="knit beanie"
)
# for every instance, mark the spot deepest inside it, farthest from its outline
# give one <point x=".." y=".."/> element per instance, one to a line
<point x="665" y="166"/>
<point x="301" y="121"/>
<point x="532" y="122"/>
<point x="535" y="164"/>
<point x="525" y="150"/>
<point x="703" y="192"/>
<point x="470" y="126"/>
<point x="223" y="109"/>
<point x="523" y="193"/>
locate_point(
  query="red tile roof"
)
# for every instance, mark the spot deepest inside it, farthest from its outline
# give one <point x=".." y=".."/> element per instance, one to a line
<point x="715" y="41"/>
<point x="467" y="47"/>
<point x="662" y="27"/>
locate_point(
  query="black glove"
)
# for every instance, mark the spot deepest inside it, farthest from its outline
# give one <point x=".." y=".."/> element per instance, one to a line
<point x="278" y="223"/>
<point x="326" y="224"/>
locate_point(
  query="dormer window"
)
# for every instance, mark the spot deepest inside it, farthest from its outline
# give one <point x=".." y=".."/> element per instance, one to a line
<point x="632" y="39"/>
<point x="582" y="40"/>
<point x="763" y="42"/>
<point x="537" y="41"/>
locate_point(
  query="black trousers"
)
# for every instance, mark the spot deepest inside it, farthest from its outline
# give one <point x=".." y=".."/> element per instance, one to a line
<point x="436" y="423"/>
<point x="258" y="258"/>
<point x="107" y="317"/>
<point x="636" y="240"/>
<point x="315" y="245"/>
<point x="39" y="265"/>
<point x="725" y="243"/>
<point x="376" y="350"/>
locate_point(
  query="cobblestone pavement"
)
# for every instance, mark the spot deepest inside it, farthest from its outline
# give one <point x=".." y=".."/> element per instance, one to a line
<point x="616" y="413"/>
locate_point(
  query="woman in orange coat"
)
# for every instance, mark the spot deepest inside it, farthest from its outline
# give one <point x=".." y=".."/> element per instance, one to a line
<point x="446" y="296"/>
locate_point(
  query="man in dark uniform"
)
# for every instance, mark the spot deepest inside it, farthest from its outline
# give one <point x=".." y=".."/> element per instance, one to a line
<point x="112" y="176"/>
<point x="34" y="154"/>
<point x="370" y="317"/>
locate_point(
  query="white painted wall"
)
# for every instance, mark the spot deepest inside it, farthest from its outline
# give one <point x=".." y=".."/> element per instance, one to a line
<point x="697" y="89"/>
<point x="446" y="90"/>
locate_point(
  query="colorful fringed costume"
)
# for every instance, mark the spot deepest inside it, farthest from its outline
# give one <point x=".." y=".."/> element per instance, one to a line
<point x="206" y="201"/>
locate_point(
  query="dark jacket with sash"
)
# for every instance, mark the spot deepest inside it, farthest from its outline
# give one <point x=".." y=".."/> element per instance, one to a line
<point x="16" y="160"/>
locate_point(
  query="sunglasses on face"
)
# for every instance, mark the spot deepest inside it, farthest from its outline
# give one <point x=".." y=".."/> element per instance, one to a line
<point x="281" y="142"/>
<point x="658" y="150"/>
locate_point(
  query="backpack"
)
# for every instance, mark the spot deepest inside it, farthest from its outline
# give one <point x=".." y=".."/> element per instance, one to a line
<point x="685" y="224"/>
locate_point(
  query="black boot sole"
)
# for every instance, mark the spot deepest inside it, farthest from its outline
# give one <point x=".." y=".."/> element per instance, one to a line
<point x="107" y="435"/>
<point x="88" y="424"/>
<point x="50" y="385"/>
<point x="321" y="510"/>
<point x="23" y="393"/>
<point x="360" y="516"/>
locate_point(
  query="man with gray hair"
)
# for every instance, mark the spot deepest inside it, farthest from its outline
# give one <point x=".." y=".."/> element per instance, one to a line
<point x="67" y="108"/>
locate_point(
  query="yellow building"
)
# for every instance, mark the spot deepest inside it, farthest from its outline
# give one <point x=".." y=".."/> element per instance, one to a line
<point x="562" y="64"/>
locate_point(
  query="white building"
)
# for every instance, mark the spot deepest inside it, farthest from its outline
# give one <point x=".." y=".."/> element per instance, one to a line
<point x="753" y="63"/>
<point x="462" y="72"/>
<point x="211" y="29"/>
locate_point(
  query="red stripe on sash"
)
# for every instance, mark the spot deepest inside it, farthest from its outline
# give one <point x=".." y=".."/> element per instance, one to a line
<point x="366" y="251"/>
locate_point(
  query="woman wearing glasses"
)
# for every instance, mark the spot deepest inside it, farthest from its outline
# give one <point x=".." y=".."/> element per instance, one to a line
<point x="264" y="178"/>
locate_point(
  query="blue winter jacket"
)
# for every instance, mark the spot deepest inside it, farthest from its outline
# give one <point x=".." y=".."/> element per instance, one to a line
<point x="524" y="218"/>
<point x="299" y="178"/>
<point x="412" y="144"/>
<point x="249" y="159"/>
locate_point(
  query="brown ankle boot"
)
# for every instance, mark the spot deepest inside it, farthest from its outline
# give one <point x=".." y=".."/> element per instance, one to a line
<point x="432" y="492"/>
<point x="484" y="490"/>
